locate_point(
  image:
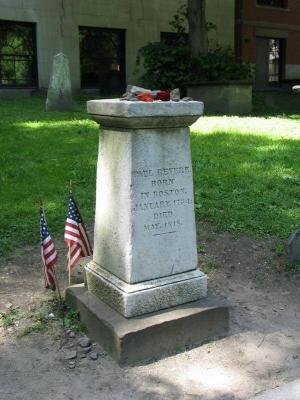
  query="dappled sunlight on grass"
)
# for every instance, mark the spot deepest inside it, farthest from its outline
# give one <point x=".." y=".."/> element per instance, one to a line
<point x="40" y="153"/>
<point x="246" y="169"/>
<point x="66" y="124"/>
<point x="247" y="181"/>
<point x="272" y="126"/>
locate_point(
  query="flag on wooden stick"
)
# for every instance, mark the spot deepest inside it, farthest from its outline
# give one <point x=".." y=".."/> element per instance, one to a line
<point x="48" y="252"/>
<point x="76" y="235"/>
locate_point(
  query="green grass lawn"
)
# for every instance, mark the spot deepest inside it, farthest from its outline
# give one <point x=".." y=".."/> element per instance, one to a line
<point x="246" y="170"/>
<point x="40" y="153"/>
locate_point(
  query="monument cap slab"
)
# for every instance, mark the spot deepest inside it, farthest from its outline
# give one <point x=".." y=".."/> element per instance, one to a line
<point x="138" y="114"/>
<point x="129" y="109"/>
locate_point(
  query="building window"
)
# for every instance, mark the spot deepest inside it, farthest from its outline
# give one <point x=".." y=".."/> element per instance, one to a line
<point x="270" y="61"/>
<point x="18" y="62"/>
<point x="102" y="59"/>
<point x="276" y="55"/>
<point x="273" y="3"/>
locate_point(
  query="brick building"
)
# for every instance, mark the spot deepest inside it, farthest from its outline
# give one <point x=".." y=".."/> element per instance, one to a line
<point x="268" y="35"/>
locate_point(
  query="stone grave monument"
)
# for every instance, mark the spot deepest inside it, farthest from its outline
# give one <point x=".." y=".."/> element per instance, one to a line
<point x="59" y="95"/>
<point x="143" y="289"/>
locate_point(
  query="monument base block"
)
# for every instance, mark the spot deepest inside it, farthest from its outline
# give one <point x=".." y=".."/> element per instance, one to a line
<point x="152" y="335"/>
<point x="145" y="297"/>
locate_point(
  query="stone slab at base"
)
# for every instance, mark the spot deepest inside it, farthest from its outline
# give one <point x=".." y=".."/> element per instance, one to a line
<point x="153" y="335"/>
<point x="289" y="391"/>
<point x="145" y="297"/>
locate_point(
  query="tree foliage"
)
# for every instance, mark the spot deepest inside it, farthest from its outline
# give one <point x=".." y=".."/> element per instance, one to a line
<point x="171" y="63"/>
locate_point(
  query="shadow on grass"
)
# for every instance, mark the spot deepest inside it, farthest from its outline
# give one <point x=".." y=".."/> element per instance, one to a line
<point x="247" y="183"/>
<point x="243" y="182"/>
<point x="38" y="159"/>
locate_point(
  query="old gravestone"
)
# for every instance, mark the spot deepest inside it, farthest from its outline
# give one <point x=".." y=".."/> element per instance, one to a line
<point x="143" y="287"/>
<point x="294" y="246"/>
<point x="59" y="96"/>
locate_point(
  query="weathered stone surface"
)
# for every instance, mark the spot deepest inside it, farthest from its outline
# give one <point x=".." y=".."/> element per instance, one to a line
<point x="294" y="246"/>
<point x="114" y="113"/>
<point x="145" y="219"/>
<point x="145" y="297"/>
<point x="140" y="109"/>
<point x="153" y="335"/>
<point x="59" y="96"/>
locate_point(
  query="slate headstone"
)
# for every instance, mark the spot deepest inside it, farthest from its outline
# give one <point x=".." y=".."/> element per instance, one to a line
<point x="294" y="246"/>
<point x="59" y="96"/>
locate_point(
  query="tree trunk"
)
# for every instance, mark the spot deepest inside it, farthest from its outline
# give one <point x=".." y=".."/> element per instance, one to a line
<point x="197" y="27"/>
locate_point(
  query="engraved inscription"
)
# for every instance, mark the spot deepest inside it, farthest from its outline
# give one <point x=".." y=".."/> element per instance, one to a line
<point x="162" y="198"/>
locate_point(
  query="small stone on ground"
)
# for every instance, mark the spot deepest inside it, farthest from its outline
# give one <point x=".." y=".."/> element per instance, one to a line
<point x="72" y="364"/>
<point x="85" y="350"/>
<point x="84" y="342"/>
<point x="70" y="355"/>
<point x="94" y="355"/>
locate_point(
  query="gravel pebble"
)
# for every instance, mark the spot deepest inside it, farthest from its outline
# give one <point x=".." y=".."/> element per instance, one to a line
<point x="85" y="350"/>
<point x="84" y="342"/>
<point x="72" y="364"/>
<point x="70" y="355"/>
<point x="94" y="355"/>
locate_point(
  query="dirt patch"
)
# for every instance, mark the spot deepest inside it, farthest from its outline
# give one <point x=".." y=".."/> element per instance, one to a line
<point x="261" y="352"/>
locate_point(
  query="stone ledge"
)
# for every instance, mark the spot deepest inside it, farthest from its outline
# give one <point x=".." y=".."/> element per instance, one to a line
<point x="145" y="297"/>
<point x="153" y="335"/>
<point x="221" y="83"/>
<point x="161" y="122"/>
<point x="141" y="109"/>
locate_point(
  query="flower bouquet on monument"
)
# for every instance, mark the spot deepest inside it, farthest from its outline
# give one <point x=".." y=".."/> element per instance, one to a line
<point x="137" y="93"/>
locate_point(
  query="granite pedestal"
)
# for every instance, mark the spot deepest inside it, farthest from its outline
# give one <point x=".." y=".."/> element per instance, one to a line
<point x="154" y="335"/>
<point x="145" y="253"/>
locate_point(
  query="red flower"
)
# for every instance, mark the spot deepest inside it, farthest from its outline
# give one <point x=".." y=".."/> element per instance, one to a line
<point x="163" y="95"/>
<point x="145" y="96"/>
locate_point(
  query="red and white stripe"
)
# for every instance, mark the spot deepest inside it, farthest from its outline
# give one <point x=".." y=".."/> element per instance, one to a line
<point x="76" y="235"/>
<point x="49" y="258"/>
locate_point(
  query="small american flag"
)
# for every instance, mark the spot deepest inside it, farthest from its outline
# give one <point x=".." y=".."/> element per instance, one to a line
<point x="48" y="252"/>
<point x="75" y="234"/>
